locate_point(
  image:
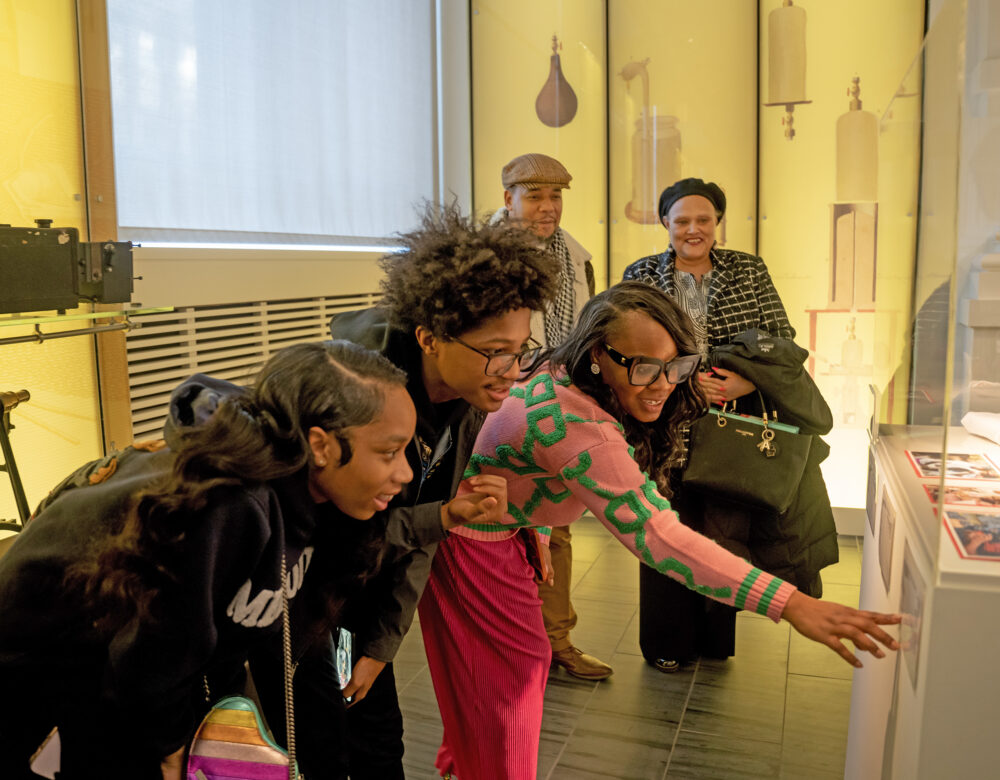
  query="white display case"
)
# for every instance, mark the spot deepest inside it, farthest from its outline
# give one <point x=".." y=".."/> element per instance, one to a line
<point x="932" y="536"/>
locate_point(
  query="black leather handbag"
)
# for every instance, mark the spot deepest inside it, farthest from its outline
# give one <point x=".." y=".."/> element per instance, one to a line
<point x="751" y="460"/>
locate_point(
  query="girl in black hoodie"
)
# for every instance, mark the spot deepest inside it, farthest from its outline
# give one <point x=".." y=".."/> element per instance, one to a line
<point x="149" y="571"/>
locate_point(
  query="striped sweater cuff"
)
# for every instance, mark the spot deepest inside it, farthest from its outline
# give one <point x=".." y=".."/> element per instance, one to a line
<point x="763" y="594"/>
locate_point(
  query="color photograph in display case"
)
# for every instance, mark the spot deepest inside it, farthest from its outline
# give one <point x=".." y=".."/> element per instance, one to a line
<point x="957" y="465"/>
<point x="981" y="496"/>
<point x="975" y="535"/>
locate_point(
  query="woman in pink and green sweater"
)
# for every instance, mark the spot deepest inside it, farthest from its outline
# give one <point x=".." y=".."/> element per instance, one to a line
<point x="595" y="427"/>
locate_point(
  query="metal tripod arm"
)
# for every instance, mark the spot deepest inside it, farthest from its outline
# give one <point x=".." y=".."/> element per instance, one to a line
<point x="10" y="400"/>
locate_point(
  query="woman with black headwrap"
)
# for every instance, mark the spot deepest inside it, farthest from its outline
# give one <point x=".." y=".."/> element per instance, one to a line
<point x="727" y="294"/>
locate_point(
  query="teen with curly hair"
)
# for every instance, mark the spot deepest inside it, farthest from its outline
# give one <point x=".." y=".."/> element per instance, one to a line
<point x="533" y="199"/>
<point x="455" y="317"/>
<point x="148" y="570"/>
<point x="593" y="427"/>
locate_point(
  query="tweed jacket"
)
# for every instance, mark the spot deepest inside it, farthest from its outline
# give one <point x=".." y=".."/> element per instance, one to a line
<point x="741" y="294"/>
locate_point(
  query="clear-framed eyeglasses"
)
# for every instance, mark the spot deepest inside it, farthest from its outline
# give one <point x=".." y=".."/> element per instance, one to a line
<point x="643" y="370"/>
<point x="499" y="363"/>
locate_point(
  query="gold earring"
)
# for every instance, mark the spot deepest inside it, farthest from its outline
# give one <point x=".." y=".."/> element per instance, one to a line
<point x="594" y="368"/>
<point x="321" y="464"/>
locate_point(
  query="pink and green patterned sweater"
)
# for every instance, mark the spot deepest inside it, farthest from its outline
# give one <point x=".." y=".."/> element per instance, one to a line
<point x="562" y="454"/>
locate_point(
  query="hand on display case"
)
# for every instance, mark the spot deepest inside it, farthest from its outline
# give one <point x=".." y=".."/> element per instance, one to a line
<point x="828" y="623"/>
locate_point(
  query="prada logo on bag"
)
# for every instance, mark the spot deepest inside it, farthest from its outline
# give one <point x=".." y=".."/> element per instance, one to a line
<point x="744" y="433"/>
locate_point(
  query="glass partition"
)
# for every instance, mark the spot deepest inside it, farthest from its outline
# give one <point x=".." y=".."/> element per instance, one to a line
<point x="942" y="364"/>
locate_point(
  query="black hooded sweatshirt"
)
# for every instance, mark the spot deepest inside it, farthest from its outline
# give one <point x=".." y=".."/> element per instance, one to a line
<point x="56" y="668"/>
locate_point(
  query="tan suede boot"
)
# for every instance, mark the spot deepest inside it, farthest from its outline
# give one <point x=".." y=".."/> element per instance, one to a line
<point x="582" y="665"/>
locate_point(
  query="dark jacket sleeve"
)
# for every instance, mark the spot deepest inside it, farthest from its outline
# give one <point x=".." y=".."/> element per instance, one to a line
<point x="395" y="597"/>
<point x="413" y="527"/>
<point x="367" y="327"/>
<point x="412" y="536"/>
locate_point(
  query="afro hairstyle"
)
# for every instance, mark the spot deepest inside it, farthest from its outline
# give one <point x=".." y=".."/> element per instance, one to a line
<point x="456" y="272"/>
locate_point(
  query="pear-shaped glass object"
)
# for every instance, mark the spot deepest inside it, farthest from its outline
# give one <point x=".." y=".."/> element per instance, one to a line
<point x="556" y="103"/>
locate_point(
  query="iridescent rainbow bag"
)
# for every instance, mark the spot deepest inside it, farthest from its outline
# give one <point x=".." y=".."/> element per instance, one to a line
<point x="232" y="742"/>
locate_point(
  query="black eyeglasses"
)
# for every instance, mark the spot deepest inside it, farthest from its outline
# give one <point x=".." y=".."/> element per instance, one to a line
<point x="499" y="363"/>
<point x="644" y="370"/>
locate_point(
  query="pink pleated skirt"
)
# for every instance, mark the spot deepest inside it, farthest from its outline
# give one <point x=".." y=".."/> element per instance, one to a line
<point x="489" y="657"/>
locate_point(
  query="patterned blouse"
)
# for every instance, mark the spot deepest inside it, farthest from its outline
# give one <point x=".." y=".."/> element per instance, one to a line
<point x="741" y="294"/>
<point x="692" y="296"/>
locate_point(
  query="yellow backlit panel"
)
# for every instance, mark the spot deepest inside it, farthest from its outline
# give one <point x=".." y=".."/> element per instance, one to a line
<point x="511" y="58"/>
<point x="41" y="175"/>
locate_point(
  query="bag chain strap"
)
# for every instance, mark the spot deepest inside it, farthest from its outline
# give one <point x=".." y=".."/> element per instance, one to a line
<point x="766" y="445"/>
<point x="286" y="646"/>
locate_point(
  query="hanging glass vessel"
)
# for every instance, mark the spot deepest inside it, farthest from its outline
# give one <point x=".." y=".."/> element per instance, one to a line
<point x="656" y="152"/>
<point x="556" y="103"/>
<point x="857" y="151"/>
<point x="786" y="82"/>
<point x="854" y="230"/>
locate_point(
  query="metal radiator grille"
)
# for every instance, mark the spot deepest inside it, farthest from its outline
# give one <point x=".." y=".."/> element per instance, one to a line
<point x="230" y="341"/>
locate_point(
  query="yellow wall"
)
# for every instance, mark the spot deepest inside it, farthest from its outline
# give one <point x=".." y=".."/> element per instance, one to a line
<point x="875" y="42"/>
<point x="511" y="47"/>
<point x="702" y="73"/>
<point x="41" y="175"/>
<point x="798" y="178"/>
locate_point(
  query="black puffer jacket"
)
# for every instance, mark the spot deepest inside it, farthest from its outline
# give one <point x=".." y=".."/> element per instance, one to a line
<point x="795" y="545"/>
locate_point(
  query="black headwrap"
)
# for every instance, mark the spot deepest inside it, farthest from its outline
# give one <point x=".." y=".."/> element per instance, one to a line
<point x="685" y="187"/>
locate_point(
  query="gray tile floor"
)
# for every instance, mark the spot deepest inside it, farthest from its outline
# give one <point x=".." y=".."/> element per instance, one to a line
<point x="778" y="709"/>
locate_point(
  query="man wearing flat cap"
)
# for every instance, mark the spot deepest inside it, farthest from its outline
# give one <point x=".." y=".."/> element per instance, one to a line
<point x="533" y="185"/>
